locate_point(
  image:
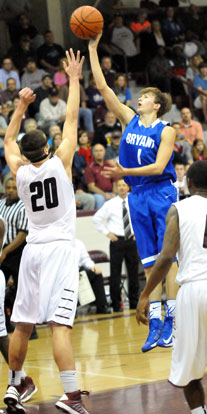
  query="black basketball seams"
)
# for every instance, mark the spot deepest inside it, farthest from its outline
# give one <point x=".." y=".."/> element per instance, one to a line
<point x="89" y="14"/>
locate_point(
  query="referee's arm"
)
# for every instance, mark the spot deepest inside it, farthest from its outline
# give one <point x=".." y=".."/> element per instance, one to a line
<point x="22" y="228"/>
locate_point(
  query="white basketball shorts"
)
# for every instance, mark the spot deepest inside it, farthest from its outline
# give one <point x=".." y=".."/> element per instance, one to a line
<point x="3" y="331"/>
<point x="47" y="285"/>
<point x="189" y="356"/>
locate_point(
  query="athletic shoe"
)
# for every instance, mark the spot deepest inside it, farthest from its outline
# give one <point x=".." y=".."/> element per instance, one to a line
<point x="165" y="340"/>
<point x="155" y="330"/>
<point x="72" y="403"/>
<point x="28" y="388"/>
<point x="12" y="400"/>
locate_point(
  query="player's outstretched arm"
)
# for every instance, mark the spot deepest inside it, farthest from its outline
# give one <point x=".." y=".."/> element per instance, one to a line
<point x="163" y="263"/>
<point x="66" y="150"/>
<point x="12" y="152"/>
<point x="122" y="112"/>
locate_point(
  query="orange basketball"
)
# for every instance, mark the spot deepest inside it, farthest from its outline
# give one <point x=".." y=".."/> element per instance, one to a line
<point x="86" y="22"/>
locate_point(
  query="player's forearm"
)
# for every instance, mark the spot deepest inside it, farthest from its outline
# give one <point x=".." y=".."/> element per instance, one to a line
<point x="73" y="102"/>
<point x="15" y="123"/>
<point x="96" y="69"/>
<point x="151" y="169"/>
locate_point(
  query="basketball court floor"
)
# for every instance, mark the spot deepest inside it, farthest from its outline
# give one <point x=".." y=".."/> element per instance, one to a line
<point x="110" y="365"/>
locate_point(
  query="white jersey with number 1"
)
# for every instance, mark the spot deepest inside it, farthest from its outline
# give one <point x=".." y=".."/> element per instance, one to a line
<point x="49" y="201"/>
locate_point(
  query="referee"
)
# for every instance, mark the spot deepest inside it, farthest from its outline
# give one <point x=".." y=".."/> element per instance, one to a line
<point x="13" y="211"/>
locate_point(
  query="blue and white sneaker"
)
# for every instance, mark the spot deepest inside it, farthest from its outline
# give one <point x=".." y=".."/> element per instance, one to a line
<point x="165" y="340"/>
<point x="155" y="330"/>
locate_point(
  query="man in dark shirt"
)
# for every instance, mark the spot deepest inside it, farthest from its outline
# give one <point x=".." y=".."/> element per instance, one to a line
<point x="101" y="187"/>
<point x="41" y="93"/>
<point x="108" y="72"/>
<point x="50" y="53"/>
<point x="103" y="133"/>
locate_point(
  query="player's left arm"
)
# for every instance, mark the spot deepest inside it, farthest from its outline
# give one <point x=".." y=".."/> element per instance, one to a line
<point x="163" y="263"/>
<point x="11" y="148"/>
<point x="67" y="148"/>
<point x="163" y="156"/>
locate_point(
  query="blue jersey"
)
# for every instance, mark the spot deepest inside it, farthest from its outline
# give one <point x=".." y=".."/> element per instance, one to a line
<point x="139" y="147"/>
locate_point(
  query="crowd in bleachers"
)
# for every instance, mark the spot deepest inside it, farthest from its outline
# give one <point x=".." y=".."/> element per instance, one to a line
<point x="158" y="47"/>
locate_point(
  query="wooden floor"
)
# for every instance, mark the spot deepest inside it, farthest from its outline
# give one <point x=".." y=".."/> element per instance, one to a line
<point x="109" y="363"/>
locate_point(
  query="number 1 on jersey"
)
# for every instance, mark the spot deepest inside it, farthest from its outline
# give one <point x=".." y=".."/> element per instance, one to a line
<point x="139" y="156"/>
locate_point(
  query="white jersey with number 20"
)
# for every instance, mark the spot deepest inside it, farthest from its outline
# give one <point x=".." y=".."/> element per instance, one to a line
<point x="49" y="200"/>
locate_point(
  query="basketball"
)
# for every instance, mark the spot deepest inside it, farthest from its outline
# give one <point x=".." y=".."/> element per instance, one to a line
<point x="86" y="22"/>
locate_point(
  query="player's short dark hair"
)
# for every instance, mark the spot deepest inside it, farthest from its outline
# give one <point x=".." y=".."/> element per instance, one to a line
<point x="197" y="174"/>
<point x="163" y="98"/>
<point x="32" y="145"/>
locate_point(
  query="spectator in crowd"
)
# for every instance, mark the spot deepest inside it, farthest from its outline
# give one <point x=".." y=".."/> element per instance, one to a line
<point x="95" y="277"/>
<point x="30" y="124"/>
<point x="10" y="92"/>
<point x="60" y="77"/>
<point x="112" y="151"/>
<point x="141" y="27"/>
<point x="7" y="72"/>
<point x="200" y="82"/>
<point x="85" y="114"/>
<point x="83" y="156"/>
<point x="52" y="110"/>
<point x="103" y="132"/>
<point x="199" y="150"/>
<point x="109" y="73"/>
<point x="121" y="90"/>
<point x="50" y="53"/>
<point x="84" y="200"/>
<point x="182" y="149"/>
<point x="157" y="75"/>
<point x="192" y="69"/>
<point x="120" y="39"/>
<point x="95" y="101"/>
<point x="204" y="40"/>
<point x="56" y="141"/>
<point x="181" y="183"/>
<point x="192" y="45"/>
<point x="13" y="211"/>
<point x="172" y="27"/>
<point x="3" y="128"/>
<point x="21" y="26"/>
<point x="179" y="60"/>
<point x="113" y="220"/>
<point x="41" y="93"/>
<point x="53" y="130"/>
<point x="194" y="21"/>
<point x="101" y="187"/>
<point x="154" y="39"/>
<point x="20" y="53"/>
<point x="32" y="77"/>
<point x="189" y="128"/>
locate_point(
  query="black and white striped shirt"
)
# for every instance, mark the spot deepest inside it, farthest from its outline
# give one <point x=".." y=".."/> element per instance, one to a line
<point x="15" y="217"/>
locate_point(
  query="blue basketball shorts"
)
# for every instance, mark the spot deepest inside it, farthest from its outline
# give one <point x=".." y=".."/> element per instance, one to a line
<point x="148" y="205"/>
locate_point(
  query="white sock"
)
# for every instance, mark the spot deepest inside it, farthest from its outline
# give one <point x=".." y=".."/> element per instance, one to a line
<point x="15" y="377"/>
<point x="69" y="381"/>
<point x="171" y="307"/>
<point x="199" y="410"/>
<point x="23" y="375"/>
<point x="155" y="310"/>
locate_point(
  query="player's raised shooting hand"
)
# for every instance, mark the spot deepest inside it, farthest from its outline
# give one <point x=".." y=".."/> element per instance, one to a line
<point x="93" y="43"/>
<point x="116" y="171"/>
<point x="74" y="65"/>
<point x="27" y="96"/>
<point x="142" y="309"/>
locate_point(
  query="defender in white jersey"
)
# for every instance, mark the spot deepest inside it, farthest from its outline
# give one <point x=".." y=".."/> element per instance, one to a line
<point x="186" y="233"/>
<point x="48" y="275"/>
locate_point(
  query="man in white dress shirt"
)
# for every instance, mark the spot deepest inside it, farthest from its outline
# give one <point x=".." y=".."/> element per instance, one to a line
<point x="113" y="220"/>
